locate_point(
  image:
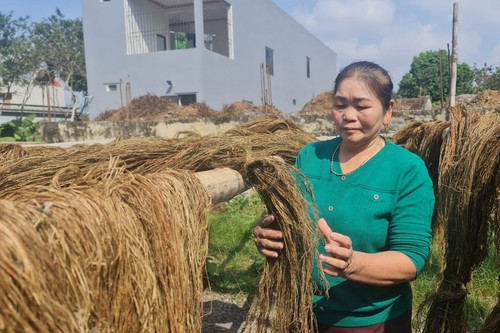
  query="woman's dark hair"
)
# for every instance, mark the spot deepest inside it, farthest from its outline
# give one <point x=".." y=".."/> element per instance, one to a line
<point x="375" y="77"/>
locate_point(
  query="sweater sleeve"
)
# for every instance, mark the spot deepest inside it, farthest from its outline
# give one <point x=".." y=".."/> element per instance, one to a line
<point x="410" y="227"/>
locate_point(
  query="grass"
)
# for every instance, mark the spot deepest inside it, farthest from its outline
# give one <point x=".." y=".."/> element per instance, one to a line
<point x="234" y="265"/>
<point x="482" y="290"/>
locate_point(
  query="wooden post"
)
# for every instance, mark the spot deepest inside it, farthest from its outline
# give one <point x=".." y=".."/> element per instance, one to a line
<point x="222" y="184"/>
<point x="441" y="77"/>
<point x="48" y="101"/>
<point x="128" y="93"/>
<point x="454" y="56"/>
<point x="121" y="94"/>
<point x="269" y="92"/>
<point x="262" y="85"/>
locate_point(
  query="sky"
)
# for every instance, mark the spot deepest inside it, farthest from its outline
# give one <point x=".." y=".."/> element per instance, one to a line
<point x="388" y="32"/>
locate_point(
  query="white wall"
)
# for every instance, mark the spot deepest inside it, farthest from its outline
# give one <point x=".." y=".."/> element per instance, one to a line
<point x="38" y="96"/>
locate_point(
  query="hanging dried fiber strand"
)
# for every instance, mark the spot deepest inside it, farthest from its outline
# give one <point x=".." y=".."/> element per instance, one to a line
<point x="267" y="136"/>
<point x="125" y="254"/>
<point x="465" y="207"/>
<point x="425" y="140"/>
<point x="492" y="322"/>
<point x="284" y="299"/>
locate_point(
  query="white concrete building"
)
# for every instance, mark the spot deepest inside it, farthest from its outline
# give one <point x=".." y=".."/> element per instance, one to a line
<point x="211" y="51"/>
<point x="44" y="101"/>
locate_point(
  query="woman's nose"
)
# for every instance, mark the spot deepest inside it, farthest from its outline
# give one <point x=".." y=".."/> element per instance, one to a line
<point x="349" y="113"/>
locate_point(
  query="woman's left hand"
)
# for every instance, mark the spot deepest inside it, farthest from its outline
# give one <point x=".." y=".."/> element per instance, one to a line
<point x="339" y="246"/>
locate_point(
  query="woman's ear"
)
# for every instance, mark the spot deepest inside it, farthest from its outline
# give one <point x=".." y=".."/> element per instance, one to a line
<point x="388" y="112"/>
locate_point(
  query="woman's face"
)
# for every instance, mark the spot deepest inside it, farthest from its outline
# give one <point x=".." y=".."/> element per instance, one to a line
<point x="358" y="114"/>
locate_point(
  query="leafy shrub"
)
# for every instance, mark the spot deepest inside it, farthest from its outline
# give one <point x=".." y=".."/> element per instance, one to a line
<point x="20" y="130"/>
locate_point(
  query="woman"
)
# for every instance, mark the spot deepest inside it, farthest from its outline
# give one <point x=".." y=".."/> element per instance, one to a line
<point x="375" y="201"/>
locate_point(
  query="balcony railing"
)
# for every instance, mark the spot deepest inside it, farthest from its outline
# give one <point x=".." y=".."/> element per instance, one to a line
<point x="40" y="111"/>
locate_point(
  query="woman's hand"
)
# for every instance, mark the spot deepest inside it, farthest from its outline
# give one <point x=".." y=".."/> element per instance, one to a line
<point x="379" y="269"/>
<point x="339" y="246"/>
<point x="269" y="241"/>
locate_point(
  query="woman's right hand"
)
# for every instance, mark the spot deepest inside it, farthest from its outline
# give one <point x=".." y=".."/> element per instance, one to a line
<point x="269" y="241"/>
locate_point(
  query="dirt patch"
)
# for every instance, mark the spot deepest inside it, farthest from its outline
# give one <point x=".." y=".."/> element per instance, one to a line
<point x="223" y="313"/>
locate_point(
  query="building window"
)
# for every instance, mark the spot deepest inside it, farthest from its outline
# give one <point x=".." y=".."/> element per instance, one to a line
<point x="308" y="67"/>
<point x="269" y="61"/>
<point x="111" y="87"/>
<point x="161" y="41"/>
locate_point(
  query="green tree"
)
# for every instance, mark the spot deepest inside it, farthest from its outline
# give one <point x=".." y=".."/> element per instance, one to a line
<point x="60" y="41"/>
<point x="486" y="78"/>
<point x="408" y="88"/>
<point x="18" y="64"/>
<point x="424" y="77"/>
<point x="465" y="79"/>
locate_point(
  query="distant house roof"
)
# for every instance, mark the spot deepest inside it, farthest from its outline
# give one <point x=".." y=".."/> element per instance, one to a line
<point x="48" y="79"/>
<point x="416" y="104"/>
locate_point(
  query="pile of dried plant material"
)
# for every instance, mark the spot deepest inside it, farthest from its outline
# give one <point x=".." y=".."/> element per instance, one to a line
<point x="154" y="108"/>
<point x="284" y="299"/>
<point x="246" y="108"/>
<point x="319" y="105"/>
<point x="13" y="151"/>
<point x="119" y="225"/>
<point x="267" y="136"/>
<point x="467" y="209"/>
<point x="424" y="139"/>
<point x="124" y="254"/>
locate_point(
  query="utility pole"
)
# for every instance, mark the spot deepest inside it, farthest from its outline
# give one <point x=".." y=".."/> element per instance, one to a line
<point x="441" y="77"/>
<point x="454" y="56"/>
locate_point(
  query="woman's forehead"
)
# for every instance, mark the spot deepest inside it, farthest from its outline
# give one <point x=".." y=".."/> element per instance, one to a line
<point x="354" y="87"/>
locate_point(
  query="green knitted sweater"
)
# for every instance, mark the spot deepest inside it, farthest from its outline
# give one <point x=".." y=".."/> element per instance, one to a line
<point x="386" y="204"/>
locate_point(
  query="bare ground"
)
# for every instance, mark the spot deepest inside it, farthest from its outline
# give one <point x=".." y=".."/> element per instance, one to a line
<point x="223" y="313"/>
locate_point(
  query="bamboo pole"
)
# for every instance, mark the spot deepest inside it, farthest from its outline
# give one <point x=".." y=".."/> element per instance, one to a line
<point x="454" y="56"/>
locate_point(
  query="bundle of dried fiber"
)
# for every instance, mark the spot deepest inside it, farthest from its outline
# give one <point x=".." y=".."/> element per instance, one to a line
<point x="14" y="151"/>
<point x="405" y="133"/>
<point x="468" y="188"/>
<point x="492" y="322"/>
<point x="121" y="255"/>
<point x="425" y="140"/>
<point x="211" y="152"/>
<point x="284" y="298"/>
<point x="147" y="155"/>
<point x="11" y="151"/>
<point x="43" y="150"/>
<point x="269" y="124"/>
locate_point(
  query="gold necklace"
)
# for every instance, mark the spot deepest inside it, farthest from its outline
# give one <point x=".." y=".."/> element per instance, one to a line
<point x="379" y="143"/>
